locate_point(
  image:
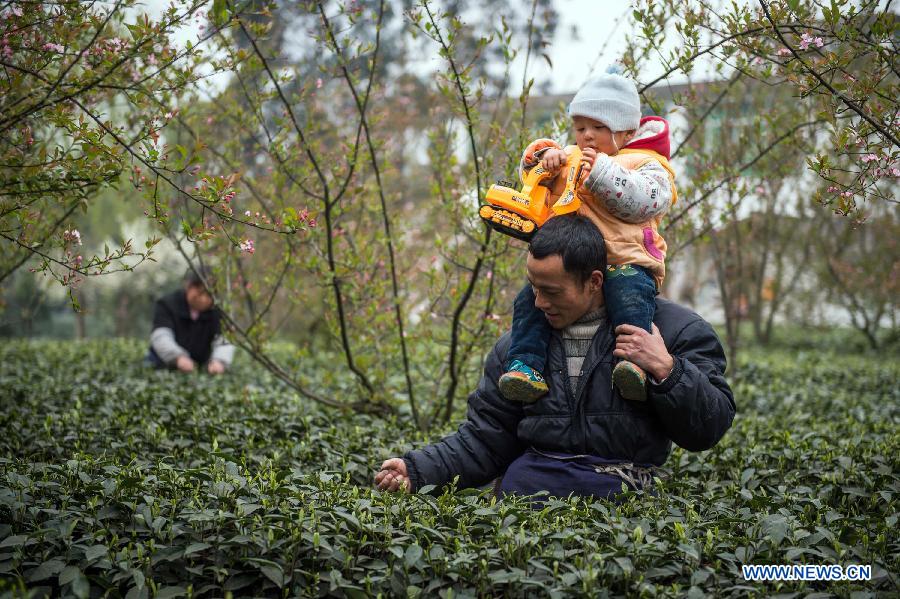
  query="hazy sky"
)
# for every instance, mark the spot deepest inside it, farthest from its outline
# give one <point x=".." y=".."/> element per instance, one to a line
<point x="590" y="36"/>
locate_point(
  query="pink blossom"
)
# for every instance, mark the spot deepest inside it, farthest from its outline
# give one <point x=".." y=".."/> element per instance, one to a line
<point x="54" y="47"/>
<point x="895" y="171"/>
<point x="209" y="120"/>
<point x="312" y="223"/>
<point x="783" y="52"/>
<point x="247" y="246"/>
<point x="318" y="83"/>
<point x="833" y="189"/>
<point x="248" y="213"/>
<point x="806" y="40"/>
<point x="151" y="59"/>
<point x="72" y="236"/>
<point x="760" y="189"/>
<point x="78" y="260"/>
<point x="869" y="158"/>
<point x="115" y="44"/>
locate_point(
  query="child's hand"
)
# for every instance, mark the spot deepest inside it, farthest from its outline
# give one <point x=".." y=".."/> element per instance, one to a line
<point x="553" y="160"/>
<point x="588" y="155"/>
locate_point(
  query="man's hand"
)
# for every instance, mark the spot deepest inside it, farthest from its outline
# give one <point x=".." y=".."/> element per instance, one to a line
<point x="215" y="367"/>
<point x="393" y="476"/>
<point x="553" y="160"/>
<point x="647" y="350"/>
<point x="184" y="364"/>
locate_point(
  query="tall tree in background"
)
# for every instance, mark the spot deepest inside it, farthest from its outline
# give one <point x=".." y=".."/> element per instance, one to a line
<point x="350" y="145"/>
<point x="841" y="58"/>
<point x="800" y="84"/>
<point x="860" y="270"/>
<point x="75" y="99"/>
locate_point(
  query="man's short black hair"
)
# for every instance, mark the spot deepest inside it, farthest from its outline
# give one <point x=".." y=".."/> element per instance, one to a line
<point x="200" y="276"/>
<point x="576" y="239"/>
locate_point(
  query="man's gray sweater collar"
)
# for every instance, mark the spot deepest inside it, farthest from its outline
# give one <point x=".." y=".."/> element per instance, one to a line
<point x="576" y="340"/>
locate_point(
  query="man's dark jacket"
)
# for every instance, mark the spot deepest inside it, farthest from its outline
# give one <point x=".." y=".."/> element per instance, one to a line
<point x="196" y="336"/>
<point x="692" y="407"/>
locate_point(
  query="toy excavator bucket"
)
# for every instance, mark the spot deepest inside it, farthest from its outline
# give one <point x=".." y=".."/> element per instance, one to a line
<point x="508" y="222"/>
<point x="518" y="213"/>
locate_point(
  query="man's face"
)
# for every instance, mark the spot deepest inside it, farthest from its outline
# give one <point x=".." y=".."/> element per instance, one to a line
<point x="198" y="298"/>
<point x="560" y="295"/>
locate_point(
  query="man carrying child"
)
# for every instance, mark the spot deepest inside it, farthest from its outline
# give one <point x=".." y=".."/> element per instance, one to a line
<point x="582" y="437"/>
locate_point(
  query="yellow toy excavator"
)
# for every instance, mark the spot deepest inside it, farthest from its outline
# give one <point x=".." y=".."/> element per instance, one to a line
<point x="519" y="213"/>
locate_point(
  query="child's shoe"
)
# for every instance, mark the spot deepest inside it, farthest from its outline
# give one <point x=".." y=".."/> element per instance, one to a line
<point x="522" y="383"/>
<point x="630" y="380"/>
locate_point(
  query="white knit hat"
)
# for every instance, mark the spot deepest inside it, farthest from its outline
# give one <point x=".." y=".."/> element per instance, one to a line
<point x="611" y="99"/>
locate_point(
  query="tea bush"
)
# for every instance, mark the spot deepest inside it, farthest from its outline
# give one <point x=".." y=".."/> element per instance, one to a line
<point x="119" y="481"/>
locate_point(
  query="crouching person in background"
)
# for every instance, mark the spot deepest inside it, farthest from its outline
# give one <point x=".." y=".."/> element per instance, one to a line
<point x="187" y="331"/>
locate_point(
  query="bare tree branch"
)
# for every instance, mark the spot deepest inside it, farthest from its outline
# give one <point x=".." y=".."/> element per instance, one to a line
<point x="476" y="270"/>
<point x="360" y="106"/>
<point x="843" y="98"/>
<point x="329" y="233"/>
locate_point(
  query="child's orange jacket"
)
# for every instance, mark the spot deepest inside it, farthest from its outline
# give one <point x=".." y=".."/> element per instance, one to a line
<point x="626" y="195"/>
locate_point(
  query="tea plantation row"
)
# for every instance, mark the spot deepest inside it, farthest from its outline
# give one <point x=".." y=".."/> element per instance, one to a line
<point x="117" y="481"/>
